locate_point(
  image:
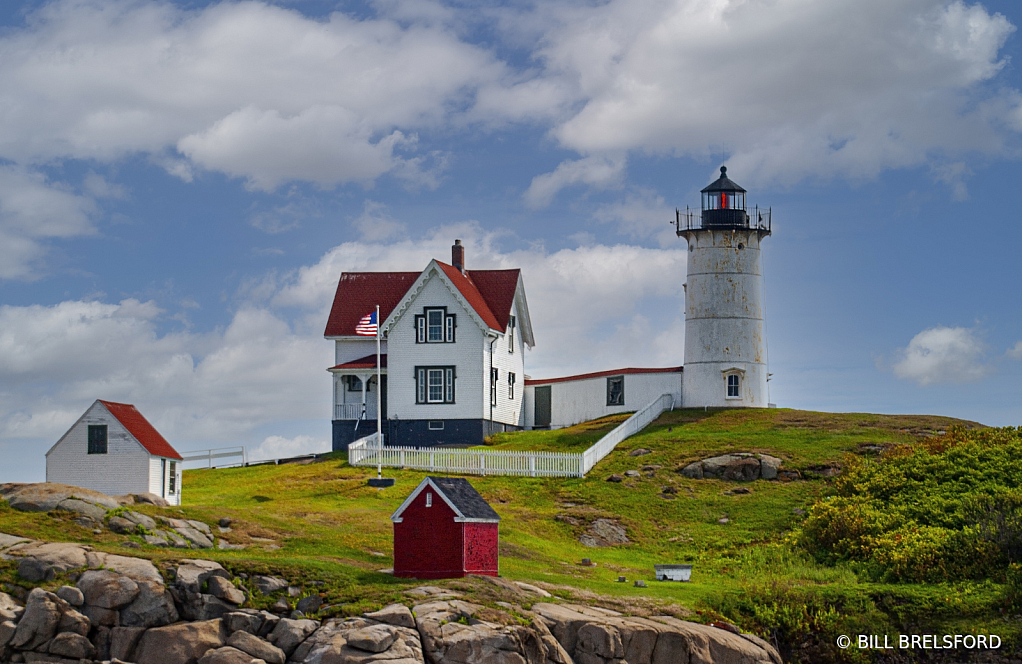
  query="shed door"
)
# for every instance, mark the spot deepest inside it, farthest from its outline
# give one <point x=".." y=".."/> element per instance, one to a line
<point x="542" y="396"/>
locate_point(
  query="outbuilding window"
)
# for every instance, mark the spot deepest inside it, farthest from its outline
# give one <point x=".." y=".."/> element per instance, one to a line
<point x="97" y="439"/>
<point x="173" y="478"/>
<point x="616" y="391"/>
<point x="434" y="384"/>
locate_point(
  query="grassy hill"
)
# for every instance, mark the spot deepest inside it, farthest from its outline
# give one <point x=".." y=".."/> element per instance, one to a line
<point x="321" y="521"/>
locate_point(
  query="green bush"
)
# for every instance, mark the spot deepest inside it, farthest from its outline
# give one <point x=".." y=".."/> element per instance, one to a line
<point x="948" y="508"/>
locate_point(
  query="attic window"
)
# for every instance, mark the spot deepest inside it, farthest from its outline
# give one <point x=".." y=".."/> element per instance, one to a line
<point x="435" y="326"/>
<point x="97" y="439"/>
<point x="511" y="335"/>
<point x="429" y="499"/>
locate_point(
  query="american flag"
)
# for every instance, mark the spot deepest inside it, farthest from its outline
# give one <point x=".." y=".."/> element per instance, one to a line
<point x="367" y="327"/>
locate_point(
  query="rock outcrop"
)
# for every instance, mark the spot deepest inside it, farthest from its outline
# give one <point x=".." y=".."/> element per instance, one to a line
<point x="121" y="610"/>
<point x="735" y="467"/>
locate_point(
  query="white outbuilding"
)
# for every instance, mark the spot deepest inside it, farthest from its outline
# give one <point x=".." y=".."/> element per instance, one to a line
<point x="113" y="449"/>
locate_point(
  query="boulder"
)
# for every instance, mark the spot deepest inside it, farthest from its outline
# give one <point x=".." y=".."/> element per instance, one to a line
<point x="72" y="621"/>
<point x="153" y="540"/>
<point x="91" y="510"/>
<point x="768" y="466"/>
<point x="72" y="646"/>
<point x="742" y="470"/>
<point x="61" y="556"/>
<point x="256" y="647"/>
<point x="713" y="468"/>
<point x="604" y="532"/>
<point x="10" y="540"/>
<point x="123" y="641"/>
<point x="196" y="538"/>
<point x="121" y="526"/>
<point x="223" y="589"/>
<point x="7" y="630"/>
<point x="45" y="496"/>
<point x="693" y="470"/>
<point x="268" y="585"/>
<point x="154" y="607"/>
<point x="395" y="614"/>
<point x="376" y="638"/>
<point x="192" y="574"/>
<point x="71" y="595"/>
<point x="239" y="621"/>
<point x="9" y="609"/>
<point x="309" y="604"/>
<point x="181" y="643"/>
<point x="288" y="634"/>
<point x="592" y="637"/>
<point x="150" y="499"/>
<point x="101" y="641"/>
<point x="39" y="622"/>
<point x="330" y="645"/>
<point x="228" y="655"/>
<point x="100" y="616"/>
<point x="201" y="527"/>
<point x="107" y="589"/>
<point x="140" y="519"/>
<point x="36" y="571"/>
<point x="641" y="451"/>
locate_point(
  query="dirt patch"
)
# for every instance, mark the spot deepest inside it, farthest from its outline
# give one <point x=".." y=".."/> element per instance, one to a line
<point x="516" y="551"/>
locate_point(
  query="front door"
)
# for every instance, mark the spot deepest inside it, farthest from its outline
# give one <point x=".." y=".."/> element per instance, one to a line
<point x="542" y="395"/>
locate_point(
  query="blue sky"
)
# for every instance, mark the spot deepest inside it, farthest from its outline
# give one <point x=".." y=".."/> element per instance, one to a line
<point x="182" y="183"/>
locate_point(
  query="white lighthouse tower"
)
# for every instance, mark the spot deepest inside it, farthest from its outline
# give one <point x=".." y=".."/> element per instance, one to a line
<point x="725" y="341"/>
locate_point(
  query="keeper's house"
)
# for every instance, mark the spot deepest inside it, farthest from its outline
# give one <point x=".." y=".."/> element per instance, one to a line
<point x="445" y="530"/>
<point x="453" y="346"/>
<point x="113" y="449"/>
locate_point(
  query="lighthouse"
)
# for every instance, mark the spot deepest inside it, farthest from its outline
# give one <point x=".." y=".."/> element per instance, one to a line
<point x="725" y="338"/>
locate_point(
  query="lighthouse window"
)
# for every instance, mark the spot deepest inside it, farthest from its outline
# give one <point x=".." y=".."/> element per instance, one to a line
<point x="733" y="386"/>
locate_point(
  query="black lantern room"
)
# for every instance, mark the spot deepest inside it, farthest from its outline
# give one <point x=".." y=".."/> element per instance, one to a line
<point x="724" y="204"/>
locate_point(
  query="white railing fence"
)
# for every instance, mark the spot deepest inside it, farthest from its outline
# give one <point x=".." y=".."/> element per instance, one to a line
<point x="218" y="453"/>
<point x="370" y="451"/>
<point x="633" y="425"/>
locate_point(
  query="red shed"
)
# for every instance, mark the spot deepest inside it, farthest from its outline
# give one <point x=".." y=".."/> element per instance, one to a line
<point x="443" y="530"/>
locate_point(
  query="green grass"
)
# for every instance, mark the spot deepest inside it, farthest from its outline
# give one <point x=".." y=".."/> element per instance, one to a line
<point x="332" y="527"/>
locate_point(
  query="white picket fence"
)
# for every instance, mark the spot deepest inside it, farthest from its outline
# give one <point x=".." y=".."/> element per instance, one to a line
<point x="369" y="451"/>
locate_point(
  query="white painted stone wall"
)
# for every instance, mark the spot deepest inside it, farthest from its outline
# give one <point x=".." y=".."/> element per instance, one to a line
<point x="575" y="401"/>
<point x="724" y="330"/>
<point x="125" y="468"/>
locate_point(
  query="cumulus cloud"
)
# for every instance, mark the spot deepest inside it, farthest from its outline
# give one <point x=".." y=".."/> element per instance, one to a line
<point x="942" y="355"/>
<point x="1015" y="353"/>
<point x="846" y="88"/>
<point x="600" y="172"/>
<point x="33" y="211"/>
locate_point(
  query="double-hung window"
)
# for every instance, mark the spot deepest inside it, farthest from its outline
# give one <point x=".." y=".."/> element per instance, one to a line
<point x="173" y="478"/>
<point x="511" y="335"/>
<point x="494" y="376"/>
<point x="510" y="385"/>
<point x="97" y="439"/>
<point x="734" y="386"/>
<point x="616" y="391"/>
<point x="434" y="384"/>
<point x="435" y="326"/>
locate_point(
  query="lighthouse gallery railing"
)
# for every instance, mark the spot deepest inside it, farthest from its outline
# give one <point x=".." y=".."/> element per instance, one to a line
<point x="370" y="451"/>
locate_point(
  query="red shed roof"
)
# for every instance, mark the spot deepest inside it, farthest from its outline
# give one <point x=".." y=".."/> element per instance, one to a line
<point x="139" y="427"/>
<point x="601" y="374"/>
<point x="358" y="293"/>
<point x="491" y="293"/>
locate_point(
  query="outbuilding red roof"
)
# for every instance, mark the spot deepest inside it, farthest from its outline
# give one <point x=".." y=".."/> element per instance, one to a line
<point x="491" y="293"/>
<point x="358" y="293"/>
<point x="367" y="362"/>
<point x="139" y="427"/>
<point x="601" y="374"/>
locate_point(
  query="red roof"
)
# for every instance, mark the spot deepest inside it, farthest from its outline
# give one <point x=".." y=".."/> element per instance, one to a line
<point x="490" y="292"/>
<point x="358" y="293"/>
<point x="601" y="374"/>
<point x="139" y="427"/>
<point x="367" y="362"/>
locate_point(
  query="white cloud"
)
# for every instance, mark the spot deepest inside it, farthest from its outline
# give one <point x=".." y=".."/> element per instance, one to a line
<point x="34" y="211"/>
<point x="798" y="90"/>
<point x="250" y="89"/>
<point x="278" y="447"/>
<point x="642" y="213"/>
<point x="376" y="224"/>
<point x="943" y="355"/>
<point x="599" y="172"/>
<point x="1016" y="352"/>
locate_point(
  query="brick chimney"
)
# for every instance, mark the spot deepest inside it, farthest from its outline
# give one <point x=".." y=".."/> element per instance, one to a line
<point x="458" y="256"/>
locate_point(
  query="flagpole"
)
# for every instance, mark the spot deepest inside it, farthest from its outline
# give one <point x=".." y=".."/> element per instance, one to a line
<point x="379" y="399"/>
